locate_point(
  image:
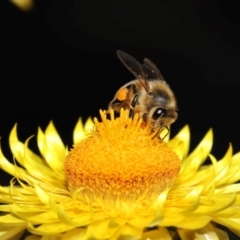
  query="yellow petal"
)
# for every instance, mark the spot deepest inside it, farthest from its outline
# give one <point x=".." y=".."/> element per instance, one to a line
<point x="197" y="157"/>
<point x="42" y="195"/>
<point x="229" y="189"/>
<point x="181" y="142"/>
<point x="65" y="218"/>
<point x="40" y="140"/>
<point x="11" y="233"/>
<point x="194" y="222"/>
<point x="231" y="223"/>
<point x="186" y="234"/>
<point x="78" y="132"/>
<point x="128" y="232"/>
<point x="141" y="221"/>
<point x="102" y="229"/>
<point x="45" y="217"/>
<point x="9" y="220"/>
<point x="74" y="234"/>
<point x="33" y="237"/>
<point x="88" y="126"/>
<point x="33" y="167"/>
<point x="173" y="220"/>
<point x="49" y="228"/>
<point x="158" y="234"/>
<point x="52" y="147"/>
<point x="206" y="233"/>
<point x="82" y="131"/>
<point x="216" y="205"/>
<point x="54" y="141"/>
<point x="47" y="237"/>
<point x="235" y="161"/>
<point x="18" y="148"/>
<point x="222" y="168"/>
<point x="221" y="234"/>
<point x="11" y="168"/>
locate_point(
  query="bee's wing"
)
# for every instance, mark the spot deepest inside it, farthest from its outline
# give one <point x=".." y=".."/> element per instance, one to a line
<point x="155" y="73"/>
<point x="141" y="72"/>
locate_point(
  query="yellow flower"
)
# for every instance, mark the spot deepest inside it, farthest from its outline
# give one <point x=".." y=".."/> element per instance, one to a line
<point x="118" y="183"/>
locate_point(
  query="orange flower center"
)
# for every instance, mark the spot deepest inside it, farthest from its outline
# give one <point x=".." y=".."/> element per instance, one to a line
<point x="120" y="160"/>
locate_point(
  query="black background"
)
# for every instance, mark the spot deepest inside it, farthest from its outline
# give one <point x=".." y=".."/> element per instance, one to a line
<point x="59" y="62"/>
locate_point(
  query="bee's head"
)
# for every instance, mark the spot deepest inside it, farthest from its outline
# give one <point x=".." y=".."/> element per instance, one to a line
<point x="162" y="116"/>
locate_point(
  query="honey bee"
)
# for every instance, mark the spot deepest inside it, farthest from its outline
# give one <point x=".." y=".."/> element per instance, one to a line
<point x="148" y="95"/>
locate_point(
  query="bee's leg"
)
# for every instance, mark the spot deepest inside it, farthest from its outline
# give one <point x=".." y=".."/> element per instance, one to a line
<point x="144" y="117"/>
<point x="168" y="131"/>
<point x="131" y="113"/>
<point x="159" y="131"/>
<point x="133" y="104"/>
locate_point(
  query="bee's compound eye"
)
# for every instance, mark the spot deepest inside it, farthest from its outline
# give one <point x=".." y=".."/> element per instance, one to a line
<point x="122" y="94"/>
<point x="158" y="113"/>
